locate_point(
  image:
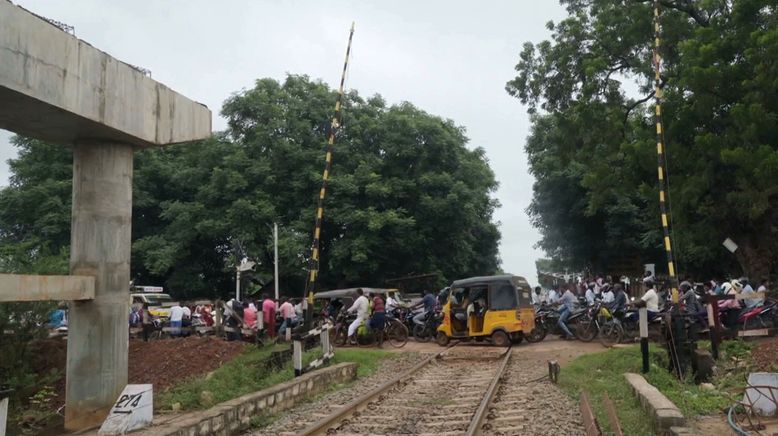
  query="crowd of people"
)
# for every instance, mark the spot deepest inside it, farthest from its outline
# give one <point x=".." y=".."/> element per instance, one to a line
<point x="570" y="296"/>
<point x="267" y="314"/>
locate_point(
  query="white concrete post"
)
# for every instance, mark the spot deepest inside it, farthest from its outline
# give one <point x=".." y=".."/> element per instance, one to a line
<point x="98" y="333"/>
<point x="237" y="285"/>
<point x="297" y="357"/>
<point x="643" y="315"/>
<point x="3" y="415"/>
<point x="325" y="342"/>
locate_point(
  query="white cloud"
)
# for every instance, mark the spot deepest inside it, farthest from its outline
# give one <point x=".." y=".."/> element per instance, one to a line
<point x="451" y="58"/>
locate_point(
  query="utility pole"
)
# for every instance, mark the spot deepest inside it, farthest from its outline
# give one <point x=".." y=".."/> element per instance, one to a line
<point x="275" y="256"/>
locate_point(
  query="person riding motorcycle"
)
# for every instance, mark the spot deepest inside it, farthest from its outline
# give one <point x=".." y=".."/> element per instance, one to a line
<point x="567" y="301"/>
<point x="619" y="303"/>
<point x="429" y="308"/>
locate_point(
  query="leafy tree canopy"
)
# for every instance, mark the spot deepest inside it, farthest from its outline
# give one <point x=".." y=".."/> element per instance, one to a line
<point x="406" y="196"/>
<point x="592" y="148"/>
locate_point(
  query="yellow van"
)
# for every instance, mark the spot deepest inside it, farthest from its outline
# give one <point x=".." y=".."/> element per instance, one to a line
<point x="495" y="307"/>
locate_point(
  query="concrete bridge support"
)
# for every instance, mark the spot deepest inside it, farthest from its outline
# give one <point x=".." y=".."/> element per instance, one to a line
<point x="100" y="247"/>
<point x="57" y="88"/>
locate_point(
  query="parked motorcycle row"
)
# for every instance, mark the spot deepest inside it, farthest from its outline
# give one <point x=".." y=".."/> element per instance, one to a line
<point x="596" y="321"/>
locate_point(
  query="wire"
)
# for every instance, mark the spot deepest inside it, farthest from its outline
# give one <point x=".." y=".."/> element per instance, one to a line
<point x="732" y="424"/>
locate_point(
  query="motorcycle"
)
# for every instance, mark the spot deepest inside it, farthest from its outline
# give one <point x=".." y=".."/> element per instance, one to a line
<point x="588" y="322"/>
<point x="428" y="330"/>
<point x="405" y="315"/>
<point x="543" y="323"/>
<point x="764" y="316"/>
<point x="631" y="324"/>
<point x="547" y="321"/>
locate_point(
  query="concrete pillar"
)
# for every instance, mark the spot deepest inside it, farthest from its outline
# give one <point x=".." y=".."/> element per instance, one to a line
<point x="98" y="335"/>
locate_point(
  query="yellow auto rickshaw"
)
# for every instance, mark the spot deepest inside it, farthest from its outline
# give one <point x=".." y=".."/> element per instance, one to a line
<point x="494" y="307"/>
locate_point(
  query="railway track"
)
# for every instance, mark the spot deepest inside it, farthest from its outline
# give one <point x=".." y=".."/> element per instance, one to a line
<point x="524" y="402"/>
<point x="439" y="396"/>
<point x="467" y="392"/>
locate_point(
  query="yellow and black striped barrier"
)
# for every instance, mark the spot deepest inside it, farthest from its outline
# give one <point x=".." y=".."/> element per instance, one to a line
<point x="660" y="153"/>
<point x="334" y="125"/>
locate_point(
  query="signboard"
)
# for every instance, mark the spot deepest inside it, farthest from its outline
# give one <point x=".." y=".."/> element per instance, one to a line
<point x="149" y="289"/>
<point x="730" y="245"/>
<point x="133" y="410"/>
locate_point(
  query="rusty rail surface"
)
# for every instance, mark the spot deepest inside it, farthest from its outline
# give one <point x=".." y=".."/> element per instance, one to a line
<point x="613" y="418"/>
<point x="589" y="421"/>
<point x="483" y="409"/>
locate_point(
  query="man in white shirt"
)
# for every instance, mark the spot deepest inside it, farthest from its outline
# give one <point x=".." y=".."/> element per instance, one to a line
<point x="391" y="303"/>
<point x="590" y="294"/>
<point x="176" y="315"/>
<point x="747" y="289"/>
<point x="651" y="299"/>
<point x="553" y="296"/>
<point x="607" y="295"/>
<point x="537" y="299"/>
<point x="361" y="306"/>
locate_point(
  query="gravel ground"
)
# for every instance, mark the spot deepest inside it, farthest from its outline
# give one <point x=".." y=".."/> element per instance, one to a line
<point x="544" y="409"/>
<point x="300" y="416"/>
<point x="528" y="403"/>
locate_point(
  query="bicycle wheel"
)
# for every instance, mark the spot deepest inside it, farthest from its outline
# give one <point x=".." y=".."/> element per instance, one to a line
<point x="610" y="334"/>
<point x="396" y="333"/>
<point x="420" y="333"/>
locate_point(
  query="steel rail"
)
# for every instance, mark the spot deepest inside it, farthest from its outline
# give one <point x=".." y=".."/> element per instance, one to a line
<point x="324" y="424"/>
<point x="480" y="414"/>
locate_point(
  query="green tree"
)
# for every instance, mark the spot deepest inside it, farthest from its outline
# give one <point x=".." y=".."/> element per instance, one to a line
<point x="406" y="196"/>
<point x="592" y="147"/>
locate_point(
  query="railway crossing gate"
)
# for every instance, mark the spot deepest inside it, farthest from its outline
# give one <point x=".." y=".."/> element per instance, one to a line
<point x="57" y="88"/>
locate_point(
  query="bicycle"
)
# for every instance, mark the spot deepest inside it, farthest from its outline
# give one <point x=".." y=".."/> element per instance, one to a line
<point x="394" y="332"/>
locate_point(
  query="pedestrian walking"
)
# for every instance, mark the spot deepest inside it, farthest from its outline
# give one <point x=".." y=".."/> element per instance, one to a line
<point x="269" y="315"/>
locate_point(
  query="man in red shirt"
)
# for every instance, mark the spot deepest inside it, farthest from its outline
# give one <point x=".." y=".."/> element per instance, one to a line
<point x="378" y="320"/>
<point x="269" y="315"/>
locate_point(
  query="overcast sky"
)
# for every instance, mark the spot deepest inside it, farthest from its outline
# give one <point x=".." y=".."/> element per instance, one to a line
<point x="450" y="58"/>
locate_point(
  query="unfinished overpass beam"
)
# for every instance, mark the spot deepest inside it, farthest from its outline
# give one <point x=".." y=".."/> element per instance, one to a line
<point x="58" y="88"/>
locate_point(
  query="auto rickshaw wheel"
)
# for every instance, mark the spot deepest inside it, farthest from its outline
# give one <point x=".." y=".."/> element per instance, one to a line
<point x="442" y="339"/>
<point x="500" y="339"/>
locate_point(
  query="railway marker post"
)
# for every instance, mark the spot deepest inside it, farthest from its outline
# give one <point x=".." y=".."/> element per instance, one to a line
<point x="643" y="312"/>
<point x="57" y="88"/>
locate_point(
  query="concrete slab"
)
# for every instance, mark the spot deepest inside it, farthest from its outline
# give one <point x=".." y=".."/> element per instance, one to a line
<point x="58" y="88"/>
<point x="664" y="413"/>
<point x="761" y="391"/>
<point x="15" y="287"/>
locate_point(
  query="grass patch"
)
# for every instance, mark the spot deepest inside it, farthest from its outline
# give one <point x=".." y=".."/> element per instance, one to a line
<point x="247" y="373"/>
<point x="368" y="359"/>
<point x="603" y="372"/>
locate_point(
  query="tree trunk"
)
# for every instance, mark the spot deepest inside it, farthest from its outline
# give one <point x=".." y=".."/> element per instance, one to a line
<point x="754" y="260"/>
